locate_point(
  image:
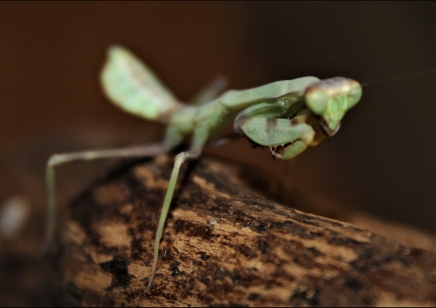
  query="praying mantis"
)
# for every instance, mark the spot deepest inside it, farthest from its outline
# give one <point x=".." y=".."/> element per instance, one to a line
<point x="283" y="117"/>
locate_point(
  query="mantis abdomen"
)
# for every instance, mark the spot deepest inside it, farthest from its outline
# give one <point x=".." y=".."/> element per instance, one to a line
<point x="133" y="87"/>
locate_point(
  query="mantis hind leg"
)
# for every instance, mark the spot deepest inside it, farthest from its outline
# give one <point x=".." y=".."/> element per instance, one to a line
<point x="209" y="92"/>
<point x="173" y="137"/>
<point x="58" y="159"/>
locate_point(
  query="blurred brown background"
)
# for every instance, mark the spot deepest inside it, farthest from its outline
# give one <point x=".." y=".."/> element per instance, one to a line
<point x="381" y="161"/>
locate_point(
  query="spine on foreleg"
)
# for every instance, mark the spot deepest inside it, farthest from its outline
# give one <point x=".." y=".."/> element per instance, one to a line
<point x="133" y="87"/>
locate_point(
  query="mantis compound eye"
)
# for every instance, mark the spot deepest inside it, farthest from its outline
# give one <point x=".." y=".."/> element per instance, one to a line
<point x="316" y="99"/>
<point x="355" y="93"/>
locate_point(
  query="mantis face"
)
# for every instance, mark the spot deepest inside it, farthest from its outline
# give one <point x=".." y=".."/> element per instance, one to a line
<point x="330" y="99"/>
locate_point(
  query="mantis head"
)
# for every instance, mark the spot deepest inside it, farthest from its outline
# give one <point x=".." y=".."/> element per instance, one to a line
<point x="330" y="99"/>
<point x="285" y="127"/>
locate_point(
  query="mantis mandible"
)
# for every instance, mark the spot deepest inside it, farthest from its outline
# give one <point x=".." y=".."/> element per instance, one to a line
<point x="284" y="117"/>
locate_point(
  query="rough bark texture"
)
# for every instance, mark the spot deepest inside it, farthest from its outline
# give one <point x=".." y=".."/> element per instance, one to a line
<point x="224" y="244"/>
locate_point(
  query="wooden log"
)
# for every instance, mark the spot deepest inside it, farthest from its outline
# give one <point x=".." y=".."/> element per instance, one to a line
<point x="224" y="244"/>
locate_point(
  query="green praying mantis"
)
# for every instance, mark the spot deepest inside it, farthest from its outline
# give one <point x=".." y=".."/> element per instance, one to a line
<point x="283" y="117"/>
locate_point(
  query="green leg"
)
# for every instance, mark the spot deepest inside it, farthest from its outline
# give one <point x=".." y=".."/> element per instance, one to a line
<point x="210" y="92"/>
<point x="198" y="141"/>
<point x="58" y="159"/>
<point x="180" y="159"/>
<point x="293" y="150"/>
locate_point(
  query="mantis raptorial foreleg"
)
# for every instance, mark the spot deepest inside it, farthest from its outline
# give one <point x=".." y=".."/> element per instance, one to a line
<point x="286" y="138"/>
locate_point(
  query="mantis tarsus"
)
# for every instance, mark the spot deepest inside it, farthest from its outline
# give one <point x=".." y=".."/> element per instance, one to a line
<point x="284" y="117"/>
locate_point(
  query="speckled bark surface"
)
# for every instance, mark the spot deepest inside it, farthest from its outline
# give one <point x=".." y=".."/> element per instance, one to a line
<point x="223" y="245"/>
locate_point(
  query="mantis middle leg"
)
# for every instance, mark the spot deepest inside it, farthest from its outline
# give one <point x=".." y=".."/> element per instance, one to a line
<point x="173" y="137"/>
<point x="180" y="159"/>
<point x="199" y="140"/>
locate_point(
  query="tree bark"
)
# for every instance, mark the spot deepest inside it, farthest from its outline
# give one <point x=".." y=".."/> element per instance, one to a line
<point x="223" y="244"/>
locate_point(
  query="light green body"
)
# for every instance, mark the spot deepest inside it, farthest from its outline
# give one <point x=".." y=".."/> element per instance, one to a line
<point x="284" y="117"/>
<point x="134" y="88"/>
